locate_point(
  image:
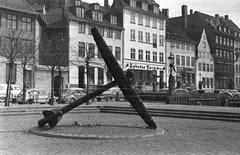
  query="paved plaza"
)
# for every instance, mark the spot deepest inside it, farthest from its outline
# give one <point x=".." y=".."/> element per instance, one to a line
<point x="181" y="136"/>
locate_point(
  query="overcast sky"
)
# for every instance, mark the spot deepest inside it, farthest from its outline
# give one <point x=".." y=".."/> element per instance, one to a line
<point x="210" y="7"/>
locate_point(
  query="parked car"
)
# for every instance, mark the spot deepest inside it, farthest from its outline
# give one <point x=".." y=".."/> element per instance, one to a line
<point x="164" y="91"/>
<point x="224" y="91"/>
<point x="34" y="95"/>
<point x="110" y="94"/>
<point x="179" y="91"/>
<point x="15" y="90"/>
<point x="70" y="95"/>
<point x="234" y="93"/>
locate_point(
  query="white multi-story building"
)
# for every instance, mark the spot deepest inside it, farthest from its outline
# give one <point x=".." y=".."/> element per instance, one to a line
<point x="143" y="39"/>
<point x="82" y="47"/>
<point x="205" y="64"/>
<point x="183" y="49"/>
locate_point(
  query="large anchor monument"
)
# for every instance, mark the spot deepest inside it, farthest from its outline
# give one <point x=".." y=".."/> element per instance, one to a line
<point x="52" y="117"/>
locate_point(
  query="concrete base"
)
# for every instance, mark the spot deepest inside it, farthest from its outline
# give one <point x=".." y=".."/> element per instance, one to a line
<point x="96" y="131"/>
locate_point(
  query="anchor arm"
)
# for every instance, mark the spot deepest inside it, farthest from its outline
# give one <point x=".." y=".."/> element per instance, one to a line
<point x="121" y="79"/>
<point x="52" y="117"/>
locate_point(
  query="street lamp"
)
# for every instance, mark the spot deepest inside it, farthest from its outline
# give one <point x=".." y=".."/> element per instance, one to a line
<point x="171" y="80"/>
<point x="200" y="81"/>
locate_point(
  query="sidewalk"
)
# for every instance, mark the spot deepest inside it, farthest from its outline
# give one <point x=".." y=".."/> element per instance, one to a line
<point x="149" y="105"/>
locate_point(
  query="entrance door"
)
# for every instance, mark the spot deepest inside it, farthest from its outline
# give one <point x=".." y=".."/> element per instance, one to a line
<point x="81" y="71"/>
<point x="57" y="85"/>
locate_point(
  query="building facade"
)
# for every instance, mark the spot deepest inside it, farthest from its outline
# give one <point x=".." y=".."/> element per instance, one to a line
<point x="204" y="65"/>
<point x="183" y="48"/>
<point x="85" y="59"/>
<point x="19" y="18"/>
<point x="220" y="33"/>
<point x="143" y="41"/>
<point x="237" y="60"/>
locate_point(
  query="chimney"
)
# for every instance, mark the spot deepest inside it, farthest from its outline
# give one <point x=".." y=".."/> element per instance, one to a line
<point x="184" y="16"/>
<point x="226" y="17"/>
<point x="106" y="3"/>
<point x="191" y="11"/>
<point x="217" y="15"/>
<point x="166" y="12"/>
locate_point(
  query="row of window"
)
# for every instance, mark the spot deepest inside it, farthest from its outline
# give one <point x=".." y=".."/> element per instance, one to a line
<point x="205" y="67"/>
<point x="204" y="54"/>
<point x="96" y="15"/>
<point x="207" y="82"/>
<point x="182" y="46"/>
<point x="237" y="80"/>
<point x="12" y="23"/>
<point x="147" y="38"/>
<point x="224" y="68"/>
<point x="88" y="50"/>
<point x="227" y="30"/>
<point x="237" y="68"/>
<point x="185" y="61"/>
<point x="221" y="83"/>
<point x="109" y="32"/>
<point x="156" y="23"/>
<point x="224" y="54"/>
<point x="224" y="41"/>
<point x="144" y="6"/>
<point x="156" y="57"/>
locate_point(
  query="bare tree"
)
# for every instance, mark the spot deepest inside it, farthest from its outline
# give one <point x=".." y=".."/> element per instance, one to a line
<point x="85" y="56"/>
<point x="10" y="50"/>
<point x="53" y="53"/>
<point x="26" y="58"/>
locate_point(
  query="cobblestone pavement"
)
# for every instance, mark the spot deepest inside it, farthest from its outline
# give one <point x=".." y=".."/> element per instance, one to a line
<point x="182" y="136"/>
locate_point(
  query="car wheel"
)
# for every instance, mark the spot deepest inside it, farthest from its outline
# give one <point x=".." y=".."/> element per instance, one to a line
<point x="72" y="100"/>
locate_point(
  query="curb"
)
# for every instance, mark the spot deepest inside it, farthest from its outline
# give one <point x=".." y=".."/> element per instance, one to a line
<point x="47" y="132"/>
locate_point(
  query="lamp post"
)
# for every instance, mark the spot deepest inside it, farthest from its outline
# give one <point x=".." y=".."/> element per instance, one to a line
<point x="171" y="80"/>
<point x="200" y="81"/>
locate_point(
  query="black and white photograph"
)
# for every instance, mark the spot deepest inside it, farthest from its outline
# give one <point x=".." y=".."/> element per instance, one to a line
<point x="119" y="77"/>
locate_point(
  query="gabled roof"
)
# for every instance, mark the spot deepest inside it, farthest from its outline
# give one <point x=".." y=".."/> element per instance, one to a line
<point x="218" y="21"/>
<point x="88" y="8"/>
<point x="124" y="4"/>
<point x="177" y="33"/>
<point x="17" y="5"/>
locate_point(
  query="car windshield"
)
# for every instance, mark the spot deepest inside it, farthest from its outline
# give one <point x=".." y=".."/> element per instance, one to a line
<point x="67" y="91"/>
<point x="1" y="87"/>
<point x="42" y="92"/>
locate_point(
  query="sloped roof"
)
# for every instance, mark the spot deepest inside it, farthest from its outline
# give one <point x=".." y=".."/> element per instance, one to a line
<point x="219" y="20"/>
<point x="124" y="4"/>
<point x="17" y="5"/>
<point x="87" y="18"/>
<point x="177" y="33"/>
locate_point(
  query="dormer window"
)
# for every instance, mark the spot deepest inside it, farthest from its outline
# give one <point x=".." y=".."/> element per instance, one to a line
<point x="220" y="28"/>
<point x="77" y="2"/>
<point x="113" y="20"/>
<point x="224" y="29"/>
<point x="155" y="10"/>
<point x="98" y="16"/>
<point x="144" y="6"/>
<point x="96" y="7"/>
<point x="133" y="3"/>
<point x="80" y="12"/>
